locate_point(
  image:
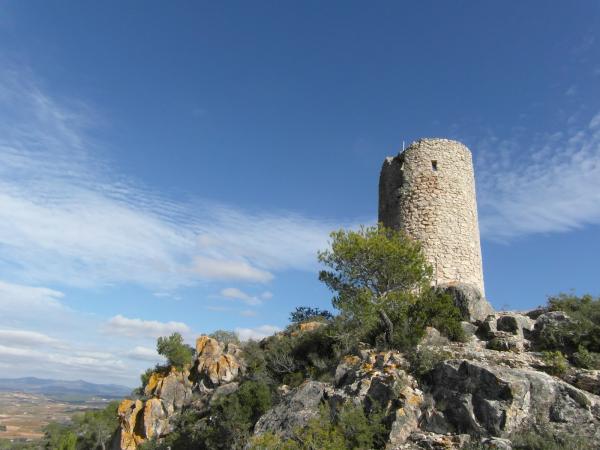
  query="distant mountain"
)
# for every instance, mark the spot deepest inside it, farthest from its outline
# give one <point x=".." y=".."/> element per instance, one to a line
<point x="63" y="388"/>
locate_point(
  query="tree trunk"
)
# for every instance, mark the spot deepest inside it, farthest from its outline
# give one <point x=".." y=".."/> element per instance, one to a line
<point x="388" y="326"/>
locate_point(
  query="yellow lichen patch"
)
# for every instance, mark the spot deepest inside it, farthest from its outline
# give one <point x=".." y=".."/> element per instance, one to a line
<point x="310" y="326"/>
<point x="207" y="346"/>
<point x="128" y="413"/>
<point x="367" y="367"/>
<point x="351" y="360"/>
<point x="410" y="396"/>
<point x="153" y="383"/>
<point x="124" y="406"/>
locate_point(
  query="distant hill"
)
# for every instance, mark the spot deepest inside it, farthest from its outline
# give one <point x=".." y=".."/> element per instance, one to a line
<point x="62" y="388"/>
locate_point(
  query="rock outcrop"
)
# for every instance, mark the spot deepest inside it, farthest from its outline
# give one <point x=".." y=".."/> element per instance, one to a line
<point x="481" y="392"/>
<point x="468" y="299"/>
<point x="166" y="394"/>
<point x="216" y="363"/>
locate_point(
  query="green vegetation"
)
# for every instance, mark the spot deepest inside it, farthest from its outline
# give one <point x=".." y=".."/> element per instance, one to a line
<point x="228" y="426"/>
<point x="307" y="314"/>
<point x="225" y="337"/>
<point x="173" y="348"/>
<point x="7" y="444"/>
<point x="349" y="428"/>
<point x="382" y="284"/>
<point x="556" y="362"/>
<point x="578" y="338"/>
<point x="91" y="430"/>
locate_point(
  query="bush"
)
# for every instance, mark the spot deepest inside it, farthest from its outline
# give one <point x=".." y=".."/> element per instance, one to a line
<point x="225" y="337"/>
<point x="584" y="332"/>
<point x="543" y="439"/>
<point x="585" y="359"/>
<point x="306" y="313"/>
<point x="424" y="359"/>
<point x="382" y="284"/>
<point x="349" y="428"/>
<point x="173" y="348"/>
<point x="556" y="362"/>
<point x="228" y="426"/>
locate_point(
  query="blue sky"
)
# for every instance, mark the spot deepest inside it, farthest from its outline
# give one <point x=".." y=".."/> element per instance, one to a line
<point x="175" y="167"/>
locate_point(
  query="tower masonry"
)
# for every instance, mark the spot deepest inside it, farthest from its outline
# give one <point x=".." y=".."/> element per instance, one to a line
<point x="428" y="191"/>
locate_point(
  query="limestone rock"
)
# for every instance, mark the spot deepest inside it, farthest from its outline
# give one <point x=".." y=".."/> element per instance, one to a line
<point x="587" y="380"/>
<point x="294" y="410"/>
<point x="217" y="364"/>
<point x="406" y="417"/>
<point x="468" y="299"/>
<point x="484" y="399"/>
<point x="174" y="389"/>
<point x="130" y="418"/>
<point x="155" y="419"/>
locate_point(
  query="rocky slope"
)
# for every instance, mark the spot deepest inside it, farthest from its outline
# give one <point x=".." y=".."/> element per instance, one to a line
<point x="481" y="391"/>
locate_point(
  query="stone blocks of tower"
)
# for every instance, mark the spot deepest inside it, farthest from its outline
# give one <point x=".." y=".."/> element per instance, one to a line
<point x="428" y="191"/>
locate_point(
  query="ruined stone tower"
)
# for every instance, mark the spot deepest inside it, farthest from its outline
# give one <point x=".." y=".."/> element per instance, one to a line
<point x="429" y="191"/>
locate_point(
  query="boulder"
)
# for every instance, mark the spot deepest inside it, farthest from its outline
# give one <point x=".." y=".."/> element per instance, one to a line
<point x="587" y="380"/>
<point x="294" y="410"/>
<point x="174" y="389"/>
<point x="468" y="299"/>
<point x="406" y="417"/>
<point x="130" y="418"/>
<point x="217" y="364"/>
<point x="155" y="419"/>
<point x="484" y="399"/>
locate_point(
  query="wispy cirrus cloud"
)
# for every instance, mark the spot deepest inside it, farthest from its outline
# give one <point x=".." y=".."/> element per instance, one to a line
<point x="66" y="217"/>
<point x="546" y="183"/>
<point x="238" y="294"/>
<point x="28" y="338"/>
<point x="144" y="328"/>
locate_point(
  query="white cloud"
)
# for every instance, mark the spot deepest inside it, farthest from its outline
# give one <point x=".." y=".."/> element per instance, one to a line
<point x="219" y="269"/>
<point x="67" y="217"/>
<point x="18" y="297"/>
<point x="27" y="338"/>
<point x="144" y="328"/>
<point x="237" y="294"/>
<point x="266" y="295"/>
<point x="144" y="354"/>
<point x="67" y="362"/>
<point x="257" y="333"/>
<point x="544" y="184"/>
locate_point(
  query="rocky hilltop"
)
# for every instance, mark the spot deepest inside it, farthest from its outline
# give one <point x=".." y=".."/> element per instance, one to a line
<point x="478" y="393"/>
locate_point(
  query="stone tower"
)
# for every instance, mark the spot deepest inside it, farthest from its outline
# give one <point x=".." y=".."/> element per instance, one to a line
<point x="429" y="191"/>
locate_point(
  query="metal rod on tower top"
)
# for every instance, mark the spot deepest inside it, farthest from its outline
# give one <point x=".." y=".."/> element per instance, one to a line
<point x="402" y="145"/>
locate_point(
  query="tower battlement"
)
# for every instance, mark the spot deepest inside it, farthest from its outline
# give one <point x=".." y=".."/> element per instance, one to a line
<point x="428" y="191"/>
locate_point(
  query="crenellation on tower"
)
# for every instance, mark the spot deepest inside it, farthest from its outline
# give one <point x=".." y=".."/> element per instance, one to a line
<point x="428" y="191"/>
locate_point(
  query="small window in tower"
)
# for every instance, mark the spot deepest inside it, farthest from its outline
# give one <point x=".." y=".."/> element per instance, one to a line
<point x="434" y="166"/>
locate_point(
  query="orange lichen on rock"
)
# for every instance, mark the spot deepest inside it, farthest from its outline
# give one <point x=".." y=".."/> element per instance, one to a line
<point x="129" y="413"/>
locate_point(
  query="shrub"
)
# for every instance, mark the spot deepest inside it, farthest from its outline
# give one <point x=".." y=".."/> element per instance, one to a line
<point x="544" y="439"/>
<point x="585" y="359"/>
<point x="556" y="362"/>
<point x="173" y="348"/>
<point x="306" y="313"/>
<point x="422" y="360"/>
<point x="225" y="337"/>
<point x="382" y="284"/>
<point x="585" y="332"/>
<point x="350" y="428"/>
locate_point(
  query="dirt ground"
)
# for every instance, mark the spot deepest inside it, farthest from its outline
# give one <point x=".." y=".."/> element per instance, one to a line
<point x="23" y="416"/>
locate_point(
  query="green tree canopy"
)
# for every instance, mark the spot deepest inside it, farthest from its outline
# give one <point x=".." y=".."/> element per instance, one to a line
<point x="381" y="275"/>
<point x="173" y="348"/>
